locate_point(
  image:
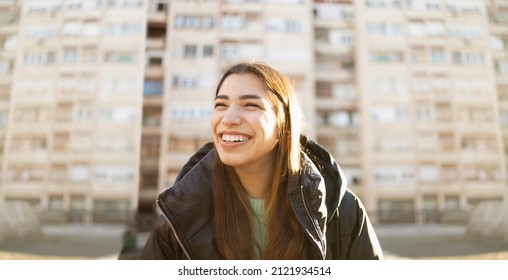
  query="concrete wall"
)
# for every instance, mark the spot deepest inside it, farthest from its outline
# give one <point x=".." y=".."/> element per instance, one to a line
<point x="18" y="220"/>
<point x="489" y="220"/>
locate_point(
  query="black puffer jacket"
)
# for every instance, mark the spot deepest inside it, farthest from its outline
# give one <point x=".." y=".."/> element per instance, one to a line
<point x="332" y="217"/>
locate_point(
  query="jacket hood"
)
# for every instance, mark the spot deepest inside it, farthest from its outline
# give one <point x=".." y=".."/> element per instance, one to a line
<point x="329" y="170"/>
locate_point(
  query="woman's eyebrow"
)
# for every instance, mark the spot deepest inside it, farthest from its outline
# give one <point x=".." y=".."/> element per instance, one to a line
<point x="225" y="97"/>
<point x="249" y="96"/>
<point x="242" y="97"/>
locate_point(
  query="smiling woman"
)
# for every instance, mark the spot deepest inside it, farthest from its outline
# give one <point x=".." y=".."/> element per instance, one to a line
<point x="261" y="190"/>
<point x="245" y="132"/>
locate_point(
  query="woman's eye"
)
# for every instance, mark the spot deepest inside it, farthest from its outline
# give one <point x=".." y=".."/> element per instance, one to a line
<point x="219" y="105"/>
<point x="252" y="105"/>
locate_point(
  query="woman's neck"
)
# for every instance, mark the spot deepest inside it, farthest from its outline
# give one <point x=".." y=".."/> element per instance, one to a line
<point x="255" y="181"/>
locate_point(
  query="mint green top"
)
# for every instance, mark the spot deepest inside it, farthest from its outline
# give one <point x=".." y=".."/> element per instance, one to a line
<point x="259" y="229"/>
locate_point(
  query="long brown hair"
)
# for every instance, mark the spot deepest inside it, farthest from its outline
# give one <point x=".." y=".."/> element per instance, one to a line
<point x="232" y="211"/>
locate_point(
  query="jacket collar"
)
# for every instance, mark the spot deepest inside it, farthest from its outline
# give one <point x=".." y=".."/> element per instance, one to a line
<point x="188" y="207"/>
<point x="308" y="201"/>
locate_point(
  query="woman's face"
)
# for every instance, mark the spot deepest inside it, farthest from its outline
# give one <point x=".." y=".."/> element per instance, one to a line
<point x="244" y="123"/>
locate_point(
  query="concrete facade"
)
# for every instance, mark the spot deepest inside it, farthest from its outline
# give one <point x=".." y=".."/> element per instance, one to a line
<point x="72" y="142"/>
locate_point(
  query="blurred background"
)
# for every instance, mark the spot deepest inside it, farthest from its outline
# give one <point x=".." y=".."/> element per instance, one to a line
<point x="103" y="101"/>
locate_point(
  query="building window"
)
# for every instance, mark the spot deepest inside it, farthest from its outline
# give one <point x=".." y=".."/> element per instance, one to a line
<point x="428" y="174"/>
<point x="466" y="32"/>
<point x="385" y="114"/>
<point x="383" y="28"/>
<point x="114" y="175"/>
<point x="90" y="55"/>
<point x="193" y="22"/>
<point x="74" y="5"/>
<point x="70" y="55"/>
<point x="81" y="141"/>
<point x="231" y="22"/>
<point x="416" y="29"/>
<point x="386" y="57"/>
<point x="124" y="3"/>
<point x="153" y="88"/>
<point x="468" y="58"/>
<point x="452" y="203"/>
<point x="424" y="113"/>
<point x="118" y="143"/>
<point x="435" y="29"/>
<point x="189" y="51"/>
<point x="207" y="51"/>
<point x="382" y="4"/>
<point x="185" y="82"/>
<point x="55" y="203"/>
<point x="72" y="28"/>
<point x="285" y="25"/>
<point x="79" y="173"/>
<point x="84" y="113"/>
<point x="91" y="29"/>
<point x="39" y="58"/>
<point x="111" y="210"/>
<point x="437" y="55"/>
<point x="92" y="4"/>
<point x="353" y="174"/>
<point x="229" y="51"/>
<point x="5" y="68"/>
<point x="121" y="57"/>
<point x="418" y="55"/>
<point x="123" y="29"/>
<point x="393" y="175"/>
<point x="393" y="143"/>
<point x="186" y="112"/>
<point x="502" y="67"/>
<point x="124" y="85"/>
<point x="118" y="114"/>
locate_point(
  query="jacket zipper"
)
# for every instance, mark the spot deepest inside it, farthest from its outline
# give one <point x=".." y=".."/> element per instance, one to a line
<point x="174" y="232"/>
<point x="310" y="218"/>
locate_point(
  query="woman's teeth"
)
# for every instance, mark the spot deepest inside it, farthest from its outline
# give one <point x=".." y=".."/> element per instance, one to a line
<point x="234" y="138"/>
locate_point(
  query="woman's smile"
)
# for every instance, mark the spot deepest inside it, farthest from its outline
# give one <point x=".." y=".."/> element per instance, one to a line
<point x="233" y="139"/>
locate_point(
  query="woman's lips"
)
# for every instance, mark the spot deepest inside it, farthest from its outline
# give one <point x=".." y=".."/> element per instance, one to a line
<point x="233" y="139"/>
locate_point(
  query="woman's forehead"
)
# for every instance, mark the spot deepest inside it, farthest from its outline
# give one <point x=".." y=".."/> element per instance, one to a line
<point x="243" y="85"/>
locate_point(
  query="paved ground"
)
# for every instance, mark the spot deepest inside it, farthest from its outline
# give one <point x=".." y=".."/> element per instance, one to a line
<point x="446" y="242"/>
<point x="72" y="241"/>
<point x="398" y="242"/>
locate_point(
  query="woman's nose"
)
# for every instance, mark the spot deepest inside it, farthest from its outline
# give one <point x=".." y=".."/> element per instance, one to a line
<point x="231" y="116"/>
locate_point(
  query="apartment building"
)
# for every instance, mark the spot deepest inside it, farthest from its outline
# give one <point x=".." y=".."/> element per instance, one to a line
<point x="74" y="126"/>
<point x="430" y="130"/>
<point x="9" y="16"/>
<point x="498" y="16"/>
<point x="110" y="98"/>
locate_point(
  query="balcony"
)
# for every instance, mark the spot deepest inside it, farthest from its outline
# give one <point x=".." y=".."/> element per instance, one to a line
<point x="154" y="72"/>
<point x="158" y="43"/>
<point x="149" y="163"/>
<point x="332" y="104"/>
<point x="328" y="49"/>
<point x="157" y="16"/>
